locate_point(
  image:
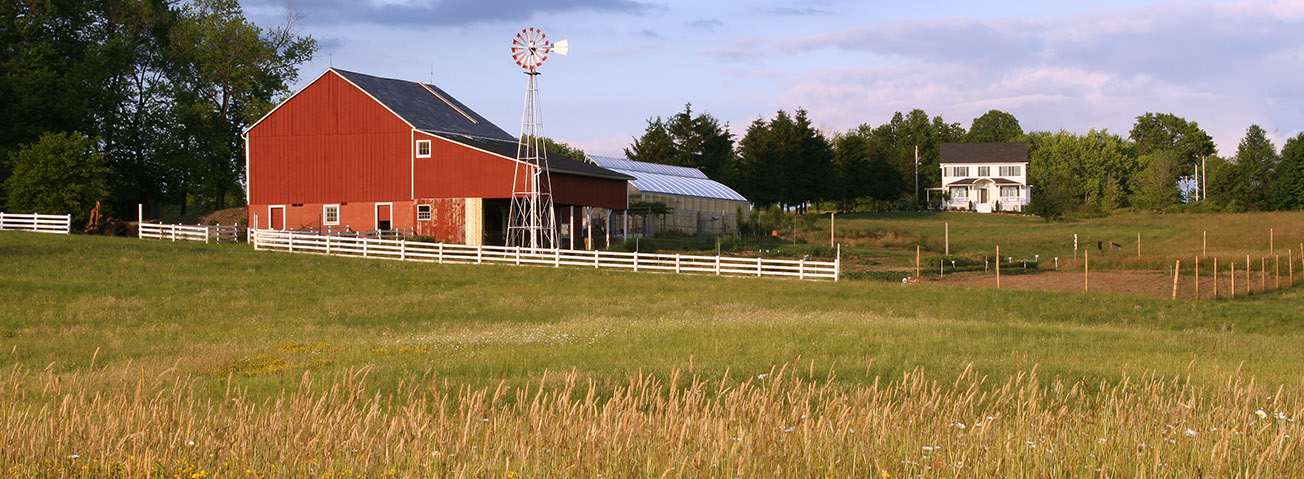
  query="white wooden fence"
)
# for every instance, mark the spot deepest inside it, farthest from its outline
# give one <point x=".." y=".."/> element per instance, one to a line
<point x="205" y="233"/>
<point x="60" y="224"/>
<point x="455" y="253"/>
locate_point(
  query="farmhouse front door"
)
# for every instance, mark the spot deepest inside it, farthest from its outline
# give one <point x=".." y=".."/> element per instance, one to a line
<point x="982" y="195"/>
<point x="383" y="217"/>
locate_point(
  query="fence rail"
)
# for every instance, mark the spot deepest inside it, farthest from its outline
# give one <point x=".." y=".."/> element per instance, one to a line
<point x="455" y="253"/>
<point x="205" y="233"/>
<point x="60" y="224"/>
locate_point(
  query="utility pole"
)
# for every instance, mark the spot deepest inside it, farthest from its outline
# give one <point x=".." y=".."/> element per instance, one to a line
<point x="916" y="176"/>
<point x="1204" y="177"/>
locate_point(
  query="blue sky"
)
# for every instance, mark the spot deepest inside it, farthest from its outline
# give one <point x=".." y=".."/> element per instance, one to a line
<point x="1054" y="65"/>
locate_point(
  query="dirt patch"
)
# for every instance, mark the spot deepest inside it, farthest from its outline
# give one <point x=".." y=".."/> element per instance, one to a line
<point x="227" y="216"/>
<point x="1146" y="283"/>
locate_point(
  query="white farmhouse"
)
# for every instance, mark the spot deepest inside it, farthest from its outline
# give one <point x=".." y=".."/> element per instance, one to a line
<point x="984" y="177"/>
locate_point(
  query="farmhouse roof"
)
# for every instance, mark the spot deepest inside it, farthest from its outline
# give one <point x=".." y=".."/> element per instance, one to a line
<point x="668" y="179"/>
<point x="984" y="153"/>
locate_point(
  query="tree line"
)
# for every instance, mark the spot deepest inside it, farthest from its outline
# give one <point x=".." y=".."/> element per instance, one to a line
<point x="786" y="162"/>
<point x="134" y="101"/>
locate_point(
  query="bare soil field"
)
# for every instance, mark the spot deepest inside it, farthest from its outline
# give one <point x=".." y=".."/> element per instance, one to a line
<point x="1145" y="283"/>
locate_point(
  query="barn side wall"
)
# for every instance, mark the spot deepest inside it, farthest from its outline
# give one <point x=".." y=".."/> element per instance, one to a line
<point x="330" y="143"/>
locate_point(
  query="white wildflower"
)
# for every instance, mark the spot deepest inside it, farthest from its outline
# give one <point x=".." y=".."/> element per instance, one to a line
<point x="1261" y="414"/>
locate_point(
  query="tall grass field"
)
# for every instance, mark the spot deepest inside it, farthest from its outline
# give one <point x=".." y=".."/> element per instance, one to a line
<point x="131" y="358"/>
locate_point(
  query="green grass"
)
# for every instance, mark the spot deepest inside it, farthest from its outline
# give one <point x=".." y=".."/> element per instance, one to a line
<point x="264" y="319"/>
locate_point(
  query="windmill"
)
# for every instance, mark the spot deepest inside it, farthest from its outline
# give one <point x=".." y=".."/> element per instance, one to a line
<point x="532" y="221"/>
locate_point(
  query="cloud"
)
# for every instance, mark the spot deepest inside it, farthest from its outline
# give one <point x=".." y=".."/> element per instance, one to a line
<point x="447" y="12"/>
<point x="800" y="11"/>
<point x="706" y="23"/>
<point x="1222" y="65"/>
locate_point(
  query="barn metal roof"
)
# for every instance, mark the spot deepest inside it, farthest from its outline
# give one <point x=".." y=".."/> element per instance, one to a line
<point x="425" y="106"/>
<point x="667" y="179"/>
<point x="556" y="163"/>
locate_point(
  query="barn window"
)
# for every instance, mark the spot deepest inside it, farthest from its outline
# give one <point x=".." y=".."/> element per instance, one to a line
<point x="423" y="148"/>
<point x="330" y="215"/>
<point x="423" y="212"/>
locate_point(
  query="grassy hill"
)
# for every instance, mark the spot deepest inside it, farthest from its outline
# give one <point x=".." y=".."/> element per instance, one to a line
<point x="197" y="324"/>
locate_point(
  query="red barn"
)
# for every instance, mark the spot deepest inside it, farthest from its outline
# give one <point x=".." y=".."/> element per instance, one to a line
<point x="370" y="153"/>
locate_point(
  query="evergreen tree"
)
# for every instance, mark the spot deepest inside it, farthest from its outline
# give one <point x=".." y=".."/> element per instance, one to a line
<point x="1288" y="189"/>
<point x="655" y="146"/>
<point x="1256" y="161"/>
<point x="699" y="141"/>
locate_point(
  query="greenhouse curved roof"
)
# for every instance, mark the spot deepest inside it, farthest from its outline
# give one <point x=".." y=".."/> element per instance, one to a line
<point x="667" y="179"/>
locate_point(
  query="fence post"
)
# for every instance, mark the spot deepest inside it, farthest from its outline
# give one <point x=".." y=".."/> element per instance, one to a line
<point x="518" y="255"/>
<point x="441" y="253"/>
<point x="596" y="263"/>
<point x="140" y="218"/>
<point x="402" y="250"/>
<point x="676" y="263"/>
<point x="173" y="229"/>
<point x="479" y="254"/>
<point x="801" y="268"/>
<point x="1177" y="268"/>
<point x="364" y="247"/>
<point x="717" y="265"/>
<point x="636" y="261"/>
<point x="291" y="242"/>
<point x="758" y="267"/>
<point x="328" y="245"/>
<point x="556" y="260"/>
<point x="837" y="265"/>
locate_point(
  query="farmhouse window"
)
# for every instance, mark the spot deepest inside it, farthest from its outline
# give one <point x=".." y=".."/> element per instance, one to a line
<point x="959" y="193"/>
<point x="960" y="171"/>
<point x="984" y="171"/>
<point x="1009" y="191"/>
<point x="330" y="215"/>
<point x="423" y="148"/>
<point x="1011" y="170"/>
<point x="423" y="212"/>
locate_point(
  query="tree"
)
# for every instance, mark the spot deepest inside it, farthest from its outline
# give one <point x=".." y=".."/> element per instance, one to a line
<point x="1153" y="187"/>
<point x="1094" y="169"/>
<point x="994" y="126"/>
<point x="1168" y="133"/>
<point x="699" y="141"/>
<point x="1288" y="189"/>
<point x="655" y="146"/>
<point x="62" y="173"/>
<point x="227" y="71"/>
<point x="900" y="137"/>
<point x="1228" y="188"/>
<point x="1256" y="162"/>
<point x="785" y="161"/>
<point x="560" y="148"/>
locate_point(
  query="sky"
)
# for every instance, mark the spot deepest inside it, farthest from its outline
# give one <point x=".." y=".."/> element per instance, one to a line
<point x="1056" y="65"/>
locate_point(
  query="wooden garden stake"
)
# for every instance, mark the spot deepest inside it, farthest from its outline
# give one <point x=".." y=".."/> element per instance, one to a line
<point x="1248" y="266"/>
<point x="998" y="266"/>
<point x="1233" y="268"/>
<point x="1263" y="274"/>
<point x="916" y="262"/>
<point x="1176" y="268"/>
<point x="1086" y="270"/>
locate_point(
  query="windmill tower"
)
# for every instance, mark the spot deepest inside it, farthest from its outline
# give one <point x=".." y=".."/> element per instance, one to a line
<point x="532" y="221"/>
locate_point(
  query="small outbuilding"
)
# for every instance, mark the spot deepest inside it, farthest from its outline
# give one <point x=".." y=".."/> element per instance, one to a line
<point x="357" y="152"/>
<point x="696" y="203"/>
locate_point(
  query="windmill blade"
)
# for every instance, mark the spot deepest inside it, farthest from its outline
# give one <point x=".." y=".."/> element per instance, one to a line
<point x="561" y="47"/>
